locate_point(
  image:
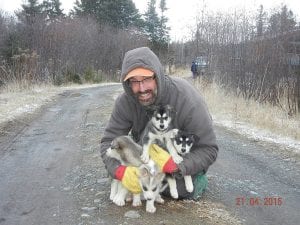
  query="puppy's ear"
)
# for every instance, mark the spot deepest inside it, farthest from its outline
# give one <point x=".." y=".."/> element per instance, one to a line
<point x="115" y="144"/>
<point x="160" y="176"/>
<point x="169" y="107"/>
<point x="172" y="110"/>
<point x="156" y="107"/>
<point x="144" y="171"/>
<point x="150" y="111"/>
<point x="195" y="138"/>
<point x="109" y="152"/>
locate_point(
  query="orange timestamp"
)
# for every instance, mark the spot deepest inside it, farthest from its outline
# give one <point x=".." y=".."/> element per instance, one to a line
<point x="257" y="201"/>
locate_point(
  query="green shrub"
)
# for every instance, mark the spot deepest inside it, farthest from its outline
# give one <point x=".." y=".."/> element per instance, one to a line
<point x="93" y="76"/>
<point x="89" y="75"/>
<point x="73" y="77"/>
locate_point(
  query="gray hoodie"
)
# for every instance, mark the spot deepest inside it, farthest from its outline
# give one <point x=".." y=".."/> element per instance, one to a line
<point x="192" y="115"/>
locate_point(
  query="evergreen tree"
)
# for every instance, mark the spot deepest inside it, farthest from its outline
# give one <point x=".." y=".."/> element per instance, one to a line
<point x="11" y="46"/>
<point x="260" y="21"/>
<point x="155" y="27"/>
<point x="29" y="12"/>
<point x="30" y="15"/>
<point x="287" y="19"/>
<point x="85" y="7"/>
<point x="122" y="13"/>
<point x="52" y="9"/>
<point x="282" y="21"/>
<point x="163" y="29"/>
<point x="9" y="39"/>
<point x="152" y="23"/>
<point x="117" y="13"/>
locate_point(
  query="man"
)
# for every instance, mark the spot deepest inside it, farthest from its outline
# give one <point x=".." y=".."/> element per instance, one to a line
<point x="194" y="70"/>
<point x="146" y="86"/>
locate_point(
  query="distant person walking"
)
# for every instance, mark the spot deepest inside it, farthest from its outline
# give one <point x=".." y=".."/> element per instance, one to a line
<point x="194" y="70"/>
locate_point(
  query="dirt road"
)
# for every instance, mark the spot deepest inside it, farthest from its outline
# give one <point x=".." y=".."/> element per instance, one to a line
<point x="51" y="173"/>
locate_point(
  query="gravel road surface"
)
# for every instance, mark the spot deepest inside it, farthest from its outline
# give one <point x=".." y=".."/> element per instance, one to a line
<point x="51" y="173"/>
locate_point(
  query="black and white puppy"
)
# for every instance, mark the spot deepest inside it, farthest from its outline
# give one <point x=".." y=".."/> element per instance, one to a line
<point x="156" y="129"/>
<point x="183" y="143"/>
<point x="177" y="143"/>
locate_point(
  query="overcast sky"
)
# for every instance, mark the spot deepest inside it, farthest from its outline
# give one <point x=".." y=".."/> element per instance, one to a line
<point x="182" y="13"/>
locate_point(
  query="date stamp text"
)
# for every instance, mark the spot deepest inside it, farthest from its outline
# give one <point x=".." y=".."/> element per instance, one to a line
<point x="257" y="201"/>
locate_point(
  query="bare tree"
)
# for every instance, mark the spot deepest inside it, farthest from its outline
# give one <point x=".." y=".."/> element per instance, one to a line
<point x="248" y="59"/>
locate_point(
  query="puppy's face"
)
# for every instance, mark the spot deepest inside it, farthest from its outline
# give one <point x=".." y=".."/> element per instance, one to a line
<point x="183" y="143"/>
<point x="162" y="118"/>
<point x="150" y="181"/>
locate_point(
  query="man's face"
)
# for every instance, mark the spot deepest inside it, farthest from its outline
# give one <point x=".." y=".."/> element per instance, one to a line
<point x="144" y="88"/>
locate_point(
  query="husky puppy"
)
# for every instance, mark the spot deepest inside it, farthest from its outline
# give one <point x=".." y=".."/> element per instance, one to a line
<point x="151" y="183"/>
<point x="183" y="143"/>
<point x="128" y="153"/>
<point x="156" y="129"/>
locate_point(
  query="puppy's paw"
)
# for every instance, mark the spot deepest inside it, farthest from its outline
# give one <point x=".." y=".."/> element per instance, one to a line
<point x="136" y="203"/>
<point x="150" y="206"/>
<point x="177" y="159"/>
<point x="119" y="201"/>
<point x="175" y="131"/>
<point x="145" y="157"/>
<point x="159" y="200"/>
<point x="173" y="187"/>
<point x="190" y="189"/>
<point x="111" y="196"/>
<point x="128" y="198"/>
<point x="150" y="209"/>
<point x="189" y="186"/>
<point x="174" y="194"/>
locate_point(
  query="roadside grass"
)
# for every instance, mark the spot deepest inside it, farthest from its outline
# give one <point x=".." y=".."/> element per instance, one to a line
<point x="235" y="112"/>
<point x="227" y="109"/>
<point x="16" y="100"/>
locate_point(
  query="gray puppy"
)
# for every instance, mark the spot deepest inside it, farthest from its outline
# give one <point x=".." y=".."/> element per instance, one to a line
<point x="125" y="150"/>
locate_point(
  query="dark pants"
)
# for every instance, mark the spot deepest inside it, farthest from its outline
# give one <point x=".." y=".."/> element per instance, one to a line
<point x="195" y="74"/>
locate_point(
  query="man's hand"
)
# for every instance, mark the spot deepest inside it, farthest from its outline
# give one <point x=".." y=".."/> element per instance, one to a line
<point x="128" y="175"/>
<point x="163" y="159"/>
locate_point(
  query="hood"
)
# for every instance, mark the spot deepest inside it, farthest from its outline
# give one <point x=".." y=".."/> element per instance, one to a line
<point x="145" y="58"/>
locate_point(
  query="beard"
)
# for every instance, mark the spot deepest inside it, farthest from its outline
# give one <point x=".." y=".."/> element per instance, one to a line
<point x="147" y="97"/>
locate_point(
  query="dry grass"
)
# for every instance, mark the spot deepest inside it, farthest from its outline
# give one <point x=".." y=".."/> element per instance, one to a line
<point x="224" y="107"/>
<point x="180" y="72"/>
<point x="14" y="102"/>
<point x="227" y="108"/>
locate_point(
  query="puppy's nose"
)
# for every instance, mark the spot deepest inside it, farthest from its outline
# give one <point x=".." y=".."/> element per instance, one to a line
<point x="183" y="150"/>
<point x="161" y="126"/>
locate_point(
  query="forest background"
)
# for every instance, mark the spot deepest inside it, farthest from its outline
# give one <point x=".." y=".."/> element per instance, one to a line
<point x="251" y="57"/>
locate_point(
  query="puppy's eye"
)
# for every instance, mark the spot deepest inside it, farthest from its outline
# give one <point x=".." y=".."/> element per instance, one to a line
<point x="190" y="142"/>
<point x="165" y="118"/>
<point x="154" y="189"/>
<point x="145" y="188"/>
<point x="157" y="118"/>
<point x="178" y="141"/>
